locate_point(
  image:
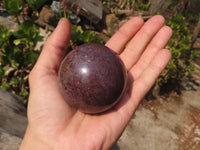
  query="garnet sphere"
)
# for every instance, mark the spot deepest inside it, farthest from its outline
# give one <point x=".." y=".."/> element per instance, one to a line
<point x="92" y="78"/>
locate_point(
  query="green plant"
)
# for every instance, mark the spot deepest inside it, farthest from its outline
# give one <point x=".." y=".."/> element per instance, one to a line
<point x="173" y="3"/>
<point x="131" y="2"/>
<point x="35" y="4"/>
<point x="17" y="57"/>
<point x="142" y="6"/>
<point x="79" y="36"/>
<point x="13" y="6"/>
<point x="181" y="64"/>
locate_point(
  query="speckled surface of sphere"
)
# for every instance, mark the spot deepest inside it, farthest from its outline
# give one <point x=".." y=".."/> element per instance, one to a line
<point x="92" y="78"/>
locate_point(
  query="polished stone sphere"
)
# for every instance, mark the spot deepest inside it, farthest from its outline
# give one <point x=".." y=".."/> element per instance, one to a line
<point x="92" y="78"/>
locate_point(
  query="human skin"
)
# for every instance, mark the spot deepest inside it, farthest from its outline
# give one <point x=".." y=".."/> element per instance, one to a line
<point x="54" y="125"/>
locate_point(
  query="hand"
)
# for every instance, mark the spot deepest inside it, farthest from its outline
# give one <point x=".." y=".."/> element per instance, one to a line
<point x="53" y="124"/>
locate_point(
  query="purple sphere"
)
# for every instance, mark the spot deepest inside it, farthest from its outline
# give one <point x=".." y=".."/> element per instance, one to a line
<point x="93" y="78"/>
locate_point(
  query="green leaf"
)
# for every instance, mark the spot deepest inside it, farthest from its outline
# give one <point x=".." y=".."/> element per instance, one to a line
<point x="3" y="31"/>
<point x="24" y="93"/>
<point x="5" y="86"/>
<point x="183" y="47"/>
<point x="191" y="68"/>
<point x="18" y="55"/>
<point x="5" y="4"/>
<point x="4" y="36"/>
<point x="17" y="42"/>
<point x="160" y="79"/>
<point x="175" y="53"/>
<point x="13" y="7"/>
<point x="173" y="73"/>
<point x="35" y="4"/>
<point x="39" y="38"/>
<point x="14" y="64"/>
<point x="1" y="72"/>
<point x="187" y="63"/>
<point x="30" y="57"/>
<point x="171" y="43"/>
<point x="194" y="53"/>
<point x="14" y="81"/>
<point x="171" y="66"/>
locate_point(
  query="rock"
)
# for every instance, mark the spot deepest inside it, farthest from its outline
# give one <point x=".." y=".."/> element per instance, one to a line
<point x="39" y="45"/>
<point x="9" y="142"/>
<point x="143" y="133"/>
<point x="110" y="19"/>
<point x="91" y="9"/>
<point x="8" y="21"/>
<point x="158" y="6"/>
<point x="47" y="14"/>
<point x="172" y="125"/>
<point x="13" y="121"/>
<point x="112" y="23"/>
<point x="56" y="7"/>
<point x="47" y="18"/>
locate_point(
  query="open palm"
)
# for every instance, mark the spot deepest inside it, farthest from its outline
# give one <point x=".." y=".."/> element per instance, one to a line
<point x="53" y="124"/>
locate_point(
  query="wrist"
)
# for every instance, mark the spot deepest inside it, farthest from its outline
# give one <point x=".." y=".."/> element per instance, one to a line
<point x="33" y="142"/>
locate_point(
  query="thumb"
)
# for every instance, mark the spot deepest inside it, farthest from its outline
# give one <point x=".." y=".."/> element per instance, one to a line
<point x="55" y="47"/>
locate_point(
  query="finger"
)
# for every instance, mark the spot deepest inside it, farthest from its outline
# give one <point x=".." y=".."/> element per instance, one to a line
<point x="146" y="80"/>
<point x="142" y="84"/>
<point x="56" y="45"/>
<point x="158" y="42"/>
<point x="123" y="111"/>
<point x="137" y="45"/>
<point x="124" y="34"/>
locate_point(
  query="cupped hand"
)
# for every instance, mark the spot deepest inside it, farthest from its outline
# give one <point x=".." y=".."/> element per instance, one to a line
<point x="53" y="124"/>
